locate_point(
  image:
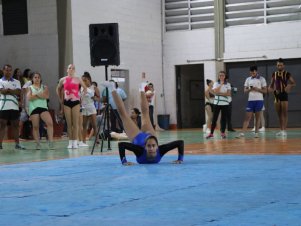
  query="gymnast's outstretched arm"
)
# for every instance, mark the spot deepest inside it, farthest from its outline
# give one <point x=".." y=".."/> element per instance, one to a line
<point x="179" y="144"/>
<point x="122" y="146"/>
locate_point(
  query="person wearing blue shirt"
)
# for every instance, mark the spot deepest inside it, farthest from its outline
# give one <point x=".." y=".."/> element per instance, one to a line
<point x="114" y="115"/>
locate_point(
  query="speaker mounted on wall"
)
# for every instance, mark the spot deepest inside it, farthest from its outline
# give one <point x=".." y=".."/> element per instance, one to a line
<point x="104" y="44"/>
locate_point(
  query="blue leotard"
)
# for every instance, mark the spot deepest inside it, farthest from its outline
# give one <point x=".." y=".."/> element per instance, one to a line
<point x="140" y="140"/>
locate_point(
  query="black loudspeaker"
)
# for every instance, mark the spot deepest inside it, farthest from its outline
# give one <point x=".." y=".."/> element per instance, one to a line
<point x="104" y="44"/>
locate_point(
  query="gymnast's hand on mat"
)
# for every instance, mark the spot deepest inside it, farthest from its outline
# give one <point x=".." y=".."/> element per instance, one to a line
<point x="128" y="163"/>
<point x="177" y="162"/>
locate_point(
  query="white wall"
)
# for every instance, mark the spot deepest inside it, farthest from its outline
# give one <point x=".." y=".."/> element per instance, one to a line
<point x="139" y="38"/>
<point x="242" y="43"/>
<point x="37" y="50"/>
<point x="179" y="48"/>
<point x="272" y="40"/>
<point x="140" y="44"/>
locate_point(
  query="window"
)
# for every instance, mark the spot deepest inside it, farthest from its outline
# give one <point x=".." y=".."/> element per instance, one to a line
<point x="240" y="12"/>
<point x="287" y="10"/>
<point x="14" y="14"/>
<point x="188" y="14"/>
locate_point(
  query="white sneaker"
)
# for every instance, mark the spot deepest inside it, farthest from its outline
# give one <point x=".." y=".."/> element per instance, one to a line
<point x="279" y="133"/>
<point x="253" y="130"/>
<point x="70" y="144"/>
<point x="256" y="135"/>
<point x="74" y="144"/>
<point x="240" y="135"/>
<point x="262" y="129"/>
<point x="284" y="133"/>
<point x="82" y="144"/>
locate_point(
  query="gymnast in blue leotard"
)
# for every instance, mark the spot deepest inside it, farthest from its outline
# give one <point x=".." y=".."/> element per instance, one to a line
<point x="143" y="143"/>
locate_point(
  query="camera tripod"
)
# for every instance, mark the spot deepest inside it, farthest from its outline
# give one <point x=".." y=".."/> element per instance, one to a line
<point x="104" y="123"/>
<point x="103" y="126"/>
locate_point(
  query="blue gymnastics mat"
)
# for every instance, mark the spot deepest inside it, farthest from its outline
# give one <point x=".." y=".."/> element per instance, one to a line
<point x="205" y="190"/>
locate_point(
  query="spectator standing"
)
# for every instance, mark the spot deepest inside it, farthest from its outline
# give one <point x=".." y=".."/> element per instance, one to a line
<point x="38" y="109"/>
<point x="114" y="115"/>
<point x="10" y="89"/>
<point x="222" y="92"/>
<point x="71" y="103"/>
<point x="255" y="85"/>
<point x="88" y="106"/>
<point x="281" y="84"/>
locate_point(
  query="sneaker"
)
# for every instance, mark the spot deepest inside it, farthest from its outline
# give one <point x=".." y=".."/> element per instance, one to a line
<point x="240" y="135"/>
<point x="82" y="144"/>
<point x="51" y="146"/>
<point x="284" y="133"/>
<point x="279" y="133"/>
<point x="262" y="129"/>
<point x="210" y="136"/>
<point x="74" y="144"/>
<point x="256" y="135"/>
<point x="253" y="130"/>
<point x="38" y="146"/>
<point x="223" y="135"/>
<point x="18" y="146"/>
<point x="70" y="144"/>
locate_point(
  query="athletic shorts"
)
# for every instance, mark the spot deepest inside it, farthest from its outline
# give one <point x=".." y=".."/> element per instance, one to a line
<point x="38" y="111"/>
<point x="10" y="115"/>
<point x="280" y="96"/>
<point x="254" y="106"/>
<point x="87" y="111"/>
<point x="70" y="103"/>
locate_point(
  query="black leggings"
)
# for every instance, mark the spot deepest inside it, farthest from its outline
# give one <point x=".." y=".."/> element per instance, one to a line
<point x="217" y="109"/>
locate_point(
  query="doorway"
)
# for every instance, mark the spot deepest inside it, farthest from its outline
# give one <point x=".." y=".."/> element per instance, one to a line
<point x="190" y="96"/>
